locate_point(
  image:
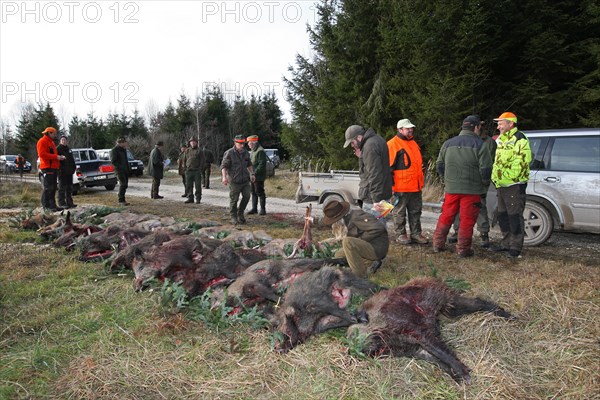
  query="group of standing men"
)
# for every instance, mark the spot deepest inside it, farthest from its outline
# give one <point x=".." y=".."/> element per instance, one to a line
<point x="467" y="163"/>
<point x="57" y="166"/>
<point x="244" y="172"/>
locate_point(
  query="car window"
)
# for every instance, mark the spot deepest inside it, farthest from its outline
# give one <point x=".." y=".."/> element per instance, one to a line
<point x="76" y="156"/>
<point x="93" y="155"/>
<point x="83" y="155"/>
<point x="537" y="146"/>
<point x="577" y="154"/>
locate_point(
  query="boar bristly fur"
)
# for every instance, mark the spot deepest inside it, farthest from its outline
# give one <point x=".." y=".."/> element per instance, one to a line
<point x="403" y="321"/>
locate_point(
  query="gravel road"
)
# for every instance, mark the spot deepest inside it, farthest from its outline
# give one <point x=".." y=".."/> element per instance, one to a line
<point x="573" y="246"/>
<point x="218" y="195"/>
<point x="567" y="246"/>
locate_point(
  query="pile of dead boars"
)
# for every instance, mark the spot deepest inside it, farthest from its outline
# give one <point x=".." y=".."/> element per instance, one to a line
<point x="311" y="295"/>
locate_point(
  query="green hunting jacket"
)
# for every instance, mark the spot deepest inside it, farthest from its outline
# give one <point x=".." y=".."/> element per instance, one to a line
<point x="365" y="226"/>
<point x="236" y="164"/>
<point x="259" y="162"/>
<point x="465" y="164"/>
<point x="513" y="155"/>
<point x="193" y="159"/>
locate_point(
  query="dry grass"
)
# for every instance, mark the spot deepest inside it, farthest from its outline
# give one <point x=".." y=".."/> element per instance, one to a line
<point x="71" y="331"/>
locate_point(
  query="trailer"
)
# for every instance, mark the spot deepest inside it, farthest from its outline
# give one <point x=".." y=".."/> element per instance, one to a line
<point x="323" y="187"/>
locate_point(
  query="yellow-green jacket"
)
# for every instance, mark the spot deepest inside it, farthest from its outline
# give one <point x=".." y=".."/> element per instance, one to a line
<point x="513" y="155"/>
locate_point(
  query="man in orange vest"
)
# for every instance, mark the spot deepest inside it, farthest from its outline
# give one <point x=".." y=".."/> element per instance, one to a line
<point x="406" y="163"/>
<point x="49" y="165"/>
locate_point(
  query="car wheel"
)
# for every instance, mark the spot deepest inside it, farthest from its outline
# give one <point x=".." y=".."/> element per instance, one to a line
<point x="538" y="224"/>
<point x="331" y="198"/>
<point x="110" y="187"/>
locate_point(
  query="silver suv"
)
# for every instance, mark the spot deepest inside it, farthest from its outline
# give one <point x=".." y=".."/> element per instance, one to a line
<point x="563" y="192"/>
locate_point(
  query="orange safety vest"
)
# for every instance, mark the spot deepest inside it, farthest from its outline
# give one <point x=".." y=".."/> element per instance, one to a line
<point x="47" y="153"/>
<point x="406" y="163"/>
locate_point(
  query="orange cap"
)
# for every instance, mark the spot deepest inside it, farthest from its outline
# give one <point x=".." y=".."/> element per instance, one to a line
<point x="252" y="138"/>
<point x="507" y="116"/>
<point x="49" y="130"/>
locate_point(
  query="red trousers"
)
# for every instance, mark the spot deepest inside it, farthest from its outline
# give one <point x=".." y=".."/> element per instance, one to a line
<point x="468" y="205"/>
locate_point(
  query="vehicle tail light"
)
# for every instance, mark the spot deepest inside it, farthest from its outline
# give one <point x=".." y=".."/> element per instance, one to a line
<point x="107" y="168"/>
<point x="78" y="173"/>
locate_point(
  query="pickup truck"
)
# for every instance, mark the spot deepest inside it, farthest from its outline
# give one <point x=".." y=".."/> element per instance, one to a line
<point x="90" y="171"/>
<point x="324" y="187"/>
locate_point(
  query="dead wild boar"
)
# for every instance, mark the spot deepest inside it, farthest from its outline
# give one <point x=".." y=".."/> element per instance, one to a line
<point x="221" y="267"/>
<point x="124" y="258"/>
<point x="267" y="280"/>
<point x="102" y="245"/>
<point x="74" y="233"/>
<point x="179" y="253"/>
<point x="403" y="322"/>
<point x="315" y="302"/>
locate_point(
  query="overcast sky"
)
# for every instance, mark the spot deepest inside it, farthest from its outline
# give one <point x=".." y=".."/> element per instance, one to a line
<point x="114" y="56"/>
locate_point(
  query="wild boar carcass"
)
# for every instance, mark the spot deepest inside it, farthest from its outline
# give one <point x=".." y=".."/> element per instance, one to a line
<point x="316" y="302"/>
<point x="404" y="322"/>
<point x="267" y="280"/>
<point x="217" y="269"/>
<point x="124" y="258"/>
<point x="70" y="233"/>
<point x="170" y="259"/>
<point x="101" y="245"/>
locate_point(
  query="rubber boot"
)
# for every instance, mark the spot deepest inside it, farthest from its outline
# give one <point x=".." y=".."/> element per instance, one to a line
<point x="439" y="236"/>
<point x="254" y="209"/>
<point x="463" y="246"/>
<point x="263" y="202"/>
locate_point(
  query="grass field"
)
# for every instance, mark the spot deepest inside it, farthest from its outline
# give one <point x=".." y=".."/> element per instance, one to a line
<point x="70" y="330"/>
